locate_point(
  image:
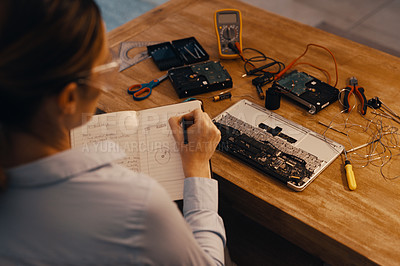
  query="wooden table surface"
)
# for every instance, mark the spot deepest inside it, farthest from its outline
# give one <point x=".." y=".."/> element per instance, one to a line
<point x="327" y="219"/>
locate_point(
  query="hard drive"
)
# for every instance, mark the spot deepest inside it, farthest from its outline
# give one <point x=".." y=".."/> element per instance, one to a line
<point x="307" y="90"/>
<point x="199" y="78"/>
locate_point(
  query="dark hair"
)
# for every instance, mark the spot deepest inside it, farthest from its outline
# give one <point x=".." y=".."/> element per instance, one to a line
<point x="44" y="45"/>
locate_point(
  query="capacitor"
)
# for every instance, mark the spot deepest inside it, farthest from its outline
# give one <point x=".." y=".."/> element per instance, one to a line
<point x="222" y="96"/>
<point x="272" y="99"/>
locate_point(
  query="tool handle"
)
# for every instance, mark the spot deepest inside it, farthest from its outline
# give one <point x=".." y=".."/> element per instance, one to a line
<point x="363" y="100"/>
<point x="142" y="94"/>
<point x="351" y="179"/>
<point x="134" y="88"/>
<point x="346" y="103"/>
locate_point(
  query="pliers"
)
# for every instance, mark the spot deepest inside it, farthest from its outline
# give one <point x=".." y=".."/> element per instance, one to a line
<point x="359" y="92"/>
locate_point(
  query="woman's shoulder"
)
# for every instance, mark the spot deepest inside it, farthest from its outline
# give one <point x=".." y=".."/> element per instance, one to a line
<point x="117" y="180"/>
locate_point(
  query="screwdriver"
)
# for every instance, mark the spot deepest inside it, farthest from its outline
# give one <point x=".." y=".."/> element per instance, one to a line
<point x="351" y="180"/>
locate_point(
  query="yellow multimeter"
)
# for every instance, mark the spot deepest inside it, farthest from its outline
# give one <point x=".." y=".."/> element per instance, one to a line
<point x="228" y="26"/>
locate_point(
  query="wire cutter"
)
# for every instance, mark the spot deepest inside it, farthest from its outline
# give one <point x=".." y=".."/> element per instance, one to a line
<point x="359" y="92"/>
<point x="142" y="91"/>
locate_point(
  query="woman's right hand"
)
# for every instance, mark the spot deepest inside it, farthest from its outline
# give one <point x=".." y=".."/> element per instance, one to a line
<point x="203" y="137"/>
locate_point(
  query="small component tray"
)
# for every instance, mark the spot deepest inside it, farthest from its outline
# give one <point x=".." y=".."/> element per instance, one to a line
<point x="167" y="55"/>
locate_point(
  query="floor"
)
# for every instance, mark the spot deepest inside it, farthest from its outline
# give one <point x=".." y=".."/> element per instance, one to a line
<point x="371" y="22"/>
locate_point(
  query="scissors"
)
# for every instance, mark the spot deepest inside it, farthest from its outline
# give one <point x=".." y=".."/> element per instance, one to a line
<point x="143" y="91"/>
<point x="359" y="92"/>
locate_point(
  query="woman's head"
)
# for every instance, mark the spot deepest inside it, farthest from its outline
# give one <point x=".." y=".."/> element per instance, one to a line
<point x="44" y="46"/>
<point x="47" y="48"/>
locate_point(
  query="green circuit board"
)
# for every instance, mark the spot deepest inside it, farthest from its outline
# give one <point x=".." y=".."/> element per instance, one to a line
<point x="295" y="82"/>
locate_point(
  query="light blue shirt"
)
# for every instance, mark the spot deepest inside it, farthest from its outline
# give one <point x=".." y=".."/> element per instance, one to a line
<point x="80" y="208"/>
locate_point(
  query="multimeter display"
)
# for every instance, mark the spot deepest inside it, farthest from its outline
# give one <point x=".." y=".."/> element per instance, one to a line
<point x="228" y="26"/>
<point x="228" y="18"/>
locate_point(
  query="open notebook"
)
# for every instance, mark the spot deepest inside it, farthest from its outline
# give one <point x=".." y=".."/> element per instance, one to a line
<point x="146" y="138"/>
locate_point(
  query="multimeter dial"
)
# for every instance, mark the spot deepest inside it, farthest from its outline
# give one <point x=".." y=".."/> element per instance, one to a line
<point x="229" y="33"/>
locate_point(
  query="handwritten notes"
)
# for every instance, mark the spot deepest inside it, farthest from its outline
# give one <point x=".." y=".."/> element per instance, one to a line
<point x="120" y="127"/>
<point x="146" y="138"/>
<point x="162" y="159"/>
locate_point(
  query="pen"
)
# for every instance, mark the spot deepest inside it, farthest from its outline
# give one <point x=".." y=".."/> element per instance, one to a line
<point x="185" y="125"/>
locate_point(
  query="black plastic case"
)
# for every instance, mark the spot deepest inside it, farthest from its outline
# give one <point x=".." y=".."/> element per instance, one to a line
<point x="187" y="51"/>
<point x="164" y="55"/>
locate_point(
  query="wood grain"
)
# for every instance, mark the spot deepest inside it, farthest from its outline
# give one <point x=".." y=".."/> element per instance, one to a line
<point x="327" y="219"/>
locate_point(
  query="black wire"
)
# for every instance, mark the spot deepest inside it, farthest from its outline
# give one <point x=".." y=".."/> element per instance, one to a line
<point x="265" y="75"/>
<point x="261" y="57"/>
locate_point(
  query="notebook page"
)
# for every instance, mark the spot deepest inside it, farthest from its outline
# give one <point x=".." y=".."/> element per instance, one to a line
<point x="119" y="127"/>
<point x="160" y="157"/>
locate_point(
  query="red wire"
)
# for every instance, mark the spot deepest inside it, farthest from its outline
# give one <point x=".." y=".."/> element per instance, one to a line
<point x="294" y="61"/>
<point x="319" y="68"/>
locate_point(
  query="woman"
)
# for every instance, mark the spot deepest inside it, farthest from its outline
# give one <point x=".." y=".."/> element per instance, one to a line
<point x="61" y="206"/>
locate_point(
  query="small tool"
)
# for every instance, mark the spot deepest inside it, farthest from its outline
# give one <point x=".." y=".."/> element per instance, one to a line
<point x="359" y="92"/>
<point x="187" y="50"/>
<point x="198" y="48"/>
<point x="143" y="91"/>
<point x="351" y="180"/>
<point x="127" y="61"/>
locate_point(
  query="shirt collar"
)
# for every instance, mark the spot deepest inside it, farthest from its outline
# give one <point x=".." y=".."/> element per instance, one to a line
<point x="65" y="164"/>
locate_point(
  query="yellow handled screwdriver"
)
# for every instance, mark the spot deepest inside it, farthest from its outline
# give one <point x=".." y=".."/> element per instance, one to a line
<point x="351" y="179"/>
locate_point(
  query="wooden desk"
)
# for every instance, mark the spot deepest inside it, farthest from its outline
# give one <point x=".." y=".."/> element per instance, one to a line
<point x="328" y="220"/>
